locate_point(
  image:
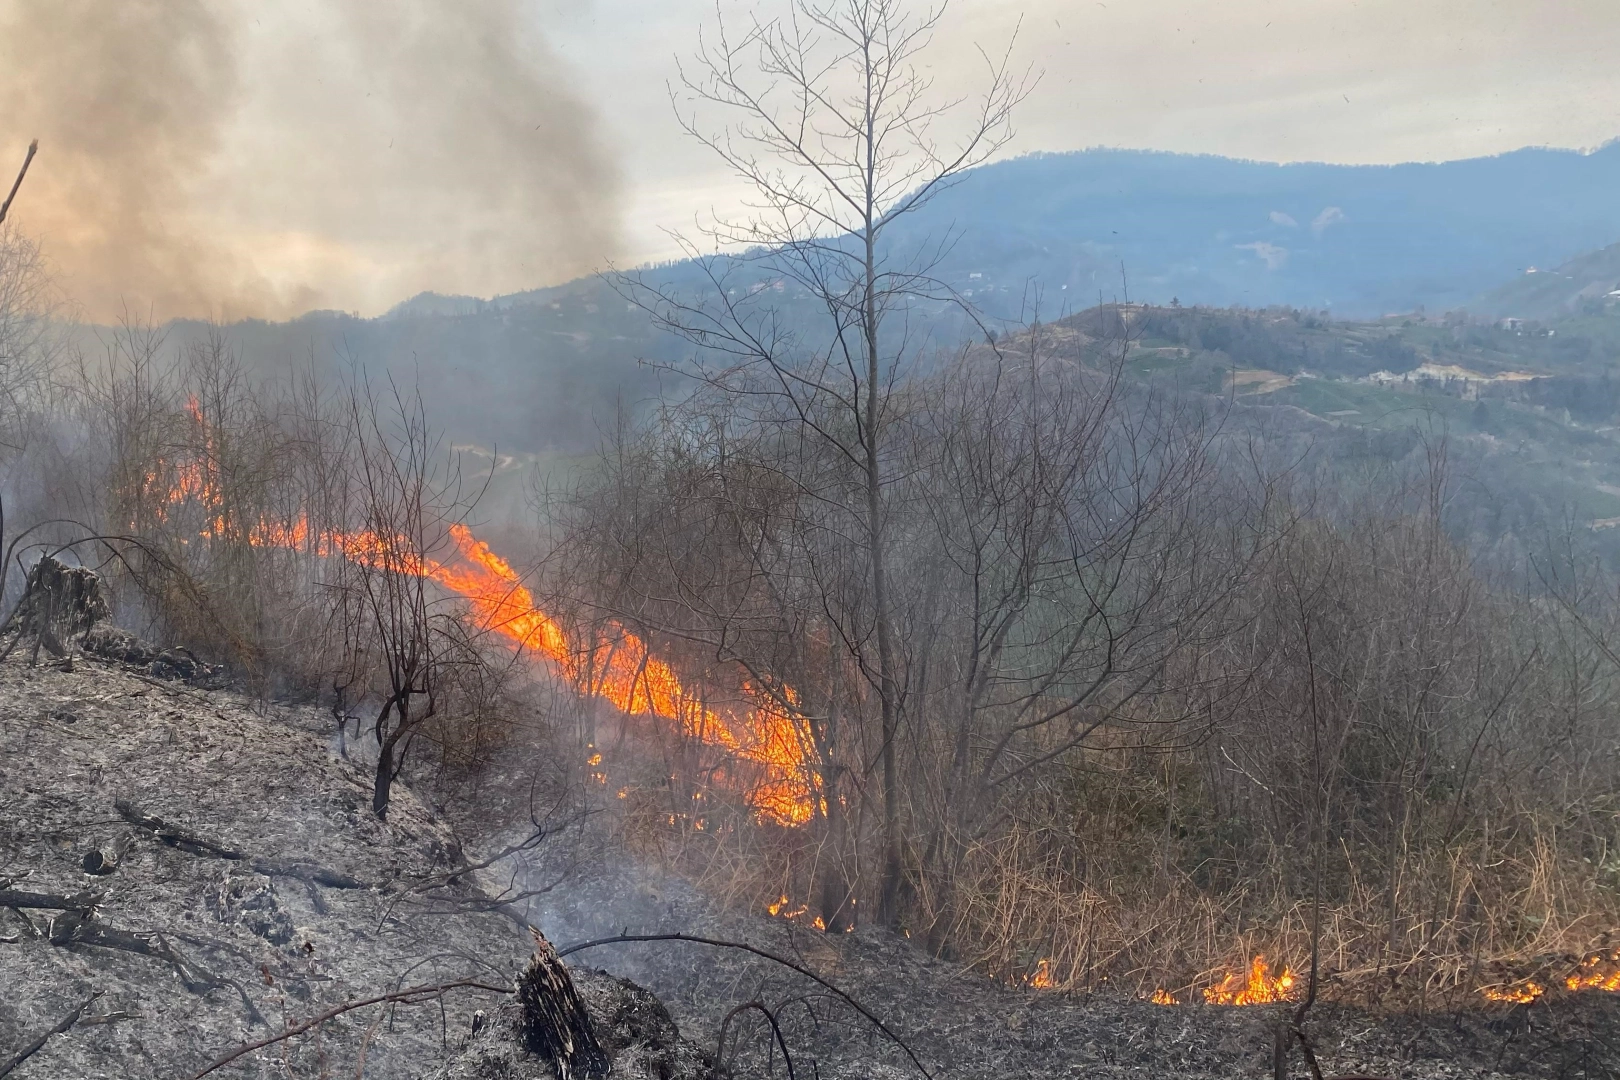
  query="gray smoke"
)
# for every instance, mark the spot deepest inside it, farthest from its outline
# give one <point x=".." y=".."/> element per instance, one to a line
<point x="214" y="157"/>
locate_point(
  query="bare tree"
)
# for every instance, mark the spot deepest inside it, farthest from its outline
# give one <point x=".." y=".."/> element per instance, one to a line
<point x="407" y="500"/>
<point x="828" y="117"/>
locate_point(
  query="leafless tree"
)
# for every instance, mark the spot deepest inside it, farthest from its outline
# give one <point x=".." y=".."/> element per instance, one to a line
<point x="828" y="116"/>
<point x="407" y="499"/>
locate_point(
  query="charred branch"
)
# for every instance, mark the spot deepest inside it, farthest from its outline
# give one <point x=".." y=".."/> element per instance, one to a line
<point x="71" y="1018"/>
<point x="192" y="844"/>
<point x="770" y="1019"/>
<point x="83" y="901"/>
<point x="5" y="207"/>
<point x="720" y="943"/>
<point x="413" y="996"/>
<point x="79" y="928"/>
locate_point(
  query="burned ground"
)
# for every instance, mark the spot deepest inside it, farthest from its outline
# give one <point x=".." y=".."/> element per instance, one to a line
<point x="962" y="1024"/>
<point x="252" y="888"/>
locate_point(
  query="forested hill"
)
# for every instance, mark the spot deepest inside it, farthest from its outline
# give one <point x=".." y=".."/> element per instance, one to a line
<point x="1586" y="283"/>
<point x="1530" y="411"/>
<point x="1359" y="240"/>
<point x="546" y="369"/>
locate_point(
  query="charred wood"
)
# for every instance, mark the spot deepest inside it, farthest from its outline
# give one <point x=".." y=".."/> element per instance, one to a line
<point x="59" y="602"/>
<point x="554" y="1022"/>
<point x="192" y="844"/>
<point x="83" y="901"/>
<point x="79" y="928"/>
<point x="61" y="1028"/>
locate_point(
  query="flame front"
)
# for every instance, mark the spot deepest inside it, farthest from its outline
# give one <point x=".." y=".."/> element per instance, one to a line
<point x="619" y="668"/>
<point x="1259" y="987"/>
<point x="1519" y="994"/>
<point x="1597" y="972"/>
<point x="764" y="731"/>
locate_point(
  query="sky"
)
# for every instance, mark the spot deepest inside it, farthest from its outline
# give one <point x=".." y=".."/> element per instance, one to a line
<point x="229" y="158"/>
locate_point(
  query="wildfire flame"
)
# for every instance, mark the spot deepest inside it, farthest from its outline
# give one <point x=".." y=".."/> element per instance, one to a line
<point x="619" y="668"/>
<point x="764" y="730"/>
<point x="1592" y="976"/>
<point x="1161" y="996"/>
<point x="1599" y="971"/>
<point x="1257" y="987"/>
<point x="1042" y="978"/>
<point x="1520" y="994"/>
<point x="780" y="909"/>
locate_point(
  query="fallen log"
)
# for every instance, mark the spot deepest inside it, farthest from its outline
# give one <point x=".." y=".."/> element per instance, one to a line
<point x="192" y="844"/>
<point x="15" y="898"/>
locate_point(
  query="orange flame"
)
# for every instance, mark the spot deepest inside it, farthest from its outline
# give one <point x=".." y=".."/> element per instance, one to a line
<point x="780" y="908"/>
<point x="1042" y="978"/>
<point x="1259" y="987"/>
<point x="619" y="668"/>
<point x="765" y="731"/>
<point x="1520" y="994"/>
<point x="1592" y="976"/>
<point x="1161" y="996"/>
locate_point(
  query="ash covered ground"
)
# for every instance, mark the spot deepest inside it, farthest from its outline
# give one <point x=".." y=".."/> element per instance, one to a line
<point x="190" y="953"/>
<point x="193" y="953"/>
<point x="964" y="1025"/>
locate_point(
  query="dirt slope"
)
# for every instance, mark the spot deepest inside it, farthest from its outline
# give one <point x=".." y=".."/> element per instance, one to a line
<point x="193" y="952"/>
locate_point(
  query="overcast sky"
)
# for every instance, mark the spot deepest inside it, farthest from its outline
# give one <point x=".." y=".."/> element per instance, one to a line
<point x="351" y="156"/>
<point x="1281" y="80"/>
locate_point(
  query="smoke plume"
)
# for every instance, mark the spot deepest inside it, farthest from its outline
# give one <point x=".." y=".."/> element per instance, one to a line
<point x="212" y="157"/>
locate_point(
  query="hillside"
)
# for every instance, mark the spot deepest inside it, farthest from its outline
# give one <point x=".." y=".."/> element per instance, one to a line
<point x="549" y="369"/>
<point x="1589" y="281"/>
<point x="252" y="889"/>
<point x="249" y="887"/>
<point x="1531" y="413"/>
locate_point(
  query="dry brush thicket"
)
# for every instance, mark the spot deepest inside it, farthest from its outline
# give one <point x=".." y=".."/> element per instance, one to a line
<point x="1158" y="705"/>
<point x="279" y="528"/>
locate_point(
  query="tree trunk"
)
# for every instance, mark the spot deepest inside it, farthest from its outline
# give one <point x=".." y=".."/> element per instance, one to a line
<point x="383" y="783"/>
<point x="889" y="891"/>
<point x="554" y="1022"/>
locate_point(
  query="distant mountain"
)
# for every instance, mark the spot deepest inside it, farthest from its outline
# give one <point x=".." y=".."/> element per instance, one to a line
<point x="548" y="368"/>
<point x="1593" y="278"/>
<point x="1358" y="239"/>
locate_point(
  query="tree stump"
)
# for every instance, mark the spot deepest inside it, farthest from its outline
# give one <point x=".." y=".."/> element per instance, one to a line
<point x="554" y="1023"/>
<point x="59" y="603"/>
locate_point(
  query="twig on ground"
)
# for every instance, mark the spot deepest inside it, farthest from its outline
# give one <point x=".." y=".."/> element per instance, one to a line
<point x="414" y="995"/>
<point x="61" y="1028"/>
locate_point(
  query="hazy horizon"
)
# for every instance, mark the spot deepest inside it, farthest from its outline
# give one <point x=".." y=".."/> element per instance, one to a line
<point x="228" y="160"/>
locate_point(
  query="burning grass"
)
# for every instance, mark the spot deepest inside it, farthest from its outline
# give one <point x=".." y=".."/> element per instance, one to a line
<point x="756" y="726"/>
<point x="1173" y="877"/>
